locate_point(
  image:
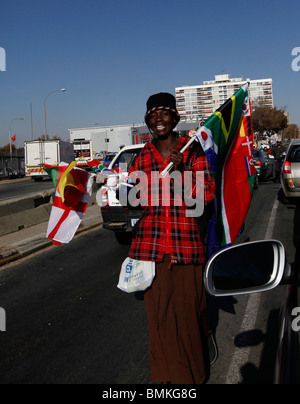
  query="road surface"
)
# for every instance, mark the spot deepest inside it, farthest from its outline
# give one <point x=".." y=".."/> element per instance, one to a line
<point x="68" y="323"/>
<point x="20" y="187"/>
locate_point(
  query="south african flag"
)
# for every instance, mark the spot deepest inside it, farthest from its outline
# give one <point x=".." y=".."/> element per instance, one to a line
<point x="227" y="140"/>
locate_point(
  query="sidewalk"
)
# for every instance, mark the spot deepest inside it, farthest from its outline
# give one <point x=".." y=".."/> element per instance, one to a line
<point x="31" y="239"/>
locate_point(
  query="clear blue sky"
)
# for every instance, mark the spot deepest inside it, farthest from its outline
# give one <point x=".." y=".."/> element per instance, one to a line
<point x="111" y="55"/>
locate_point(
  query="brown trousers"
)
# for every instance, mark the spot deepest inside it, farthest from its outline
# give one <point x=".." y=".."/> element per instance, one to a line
<point x="176" y="304"/>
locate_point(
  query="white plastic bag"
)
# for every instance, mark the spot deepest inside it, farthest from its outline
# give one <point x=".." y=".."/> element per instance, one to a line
<point x="136" y="275"/>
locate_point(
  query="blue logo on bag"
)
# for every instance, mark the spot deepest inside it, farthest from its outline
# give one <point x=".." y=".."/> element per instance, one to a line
<point x="129" y="267"/>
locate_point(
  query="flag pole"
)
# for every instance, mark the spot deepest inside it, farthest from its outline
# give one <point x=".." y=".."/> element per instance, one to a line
<point x="164" y="173"/>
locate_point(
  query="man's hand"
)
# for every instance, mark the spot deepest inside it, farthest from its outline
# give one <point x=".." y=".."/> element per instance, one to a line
<point x="177" y="159"/>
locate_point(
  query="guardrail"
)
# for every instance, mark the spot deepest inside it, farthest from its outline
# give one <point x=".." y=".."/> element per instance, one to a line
<point x="21" y="212"/>
<point x="32" y="209"/>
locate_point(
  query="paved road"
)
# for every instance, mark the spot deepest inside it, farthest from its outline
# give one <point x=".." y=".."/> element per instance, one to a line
<point x="20" y="187"/>
<point x="68" y="323"/>
<point x="246" y="326"/>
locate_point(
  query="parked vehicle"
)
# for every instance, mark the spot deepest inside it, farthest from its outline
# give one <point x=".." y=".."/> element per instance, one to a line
<point x="257" y="267"/>
<point x="290" y="177"/>
<point x="117" y="218"/>
<point x="108" y="138"/>
<point x="15" y="167"/>
<point x="83" y="152"/>
<point x="50" y="152"/>
<point x="264" y="165"/>
<point x="108" y="159"/>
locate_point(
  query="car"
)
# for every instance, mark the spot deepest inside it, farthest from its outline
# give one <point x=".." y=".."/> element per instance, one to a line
<point x="264" y="165"/>
<point x="260" y="266"/>
<point x="116" y="217"/>
<point x="108" y="159"/>
<point x="290" y="175"/>
<point x="99" y="156"/>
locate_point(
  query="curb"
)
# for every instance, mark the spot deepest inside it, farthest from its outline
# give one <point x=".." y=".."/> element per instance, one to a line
<point x="8" y="254"/>
<point x="33" y="244"/>
<point x="26" y="211"/>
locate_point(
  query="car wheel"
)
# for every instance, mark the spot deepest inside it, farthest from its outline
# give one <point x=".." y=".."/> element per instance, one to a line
<point x="282" y="198"/>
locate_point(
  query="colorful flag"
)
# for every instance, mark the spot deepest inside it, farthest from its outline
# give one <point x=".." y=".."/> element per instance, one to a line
<point x="257" y="145"/>
<point x="71" y="184"/>
<point x="227" y="140"/>
<point x="13" y="138"/>
<point x="96" y="165"/>
<point x="73" y="189"/>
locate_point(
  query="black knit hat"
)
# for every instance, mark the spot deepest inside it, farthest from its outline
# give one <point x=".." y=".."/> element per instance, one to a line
<point x="164" y="101"/>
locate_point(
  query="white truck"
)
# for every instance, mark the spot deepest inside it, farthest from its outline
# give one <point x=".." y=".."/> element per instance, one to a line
<point x="83" y="152"/>
<point x="50" y="152"/>
<point x="105" y="139"/>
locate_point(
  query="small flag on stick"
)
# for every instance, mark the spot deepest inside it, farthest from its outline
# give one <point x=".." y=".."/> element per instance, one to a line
<point x="73" y="189"/>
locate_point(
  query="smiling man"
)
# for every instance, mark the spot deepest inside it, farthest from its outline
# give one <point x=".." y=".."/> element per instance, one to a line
<point x="166" y="234"/>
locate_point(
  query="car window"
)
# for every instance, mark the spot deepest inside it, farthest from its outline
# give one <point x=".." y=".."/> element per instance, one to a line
<point x="109" y="157"/>
<point x="294" y="156"/>
<point x="128" y="157"/>
<point x="260" y="155"/>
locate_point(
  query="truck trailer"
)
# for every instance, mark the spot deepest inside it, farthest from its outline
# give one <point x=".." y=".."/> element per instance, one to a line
<point x="83" y="152"/>
<point x="106" y="139"/>
<point x="50" y="152"/>
<point x="101" y="140"/>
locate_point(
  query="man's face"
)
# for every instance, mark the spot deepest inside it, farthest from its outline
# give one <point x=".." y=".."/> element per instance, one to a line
<point x="161" y="122"/>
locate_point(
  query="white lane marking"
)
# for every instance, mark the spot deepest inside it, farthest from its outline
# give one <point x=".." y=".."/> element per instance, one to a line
<point x="241" y="355"/>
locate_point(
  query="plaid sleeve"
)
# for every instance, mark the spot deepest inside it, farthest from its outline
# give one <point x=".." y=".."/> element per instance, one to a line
<point x="206" y="180"/>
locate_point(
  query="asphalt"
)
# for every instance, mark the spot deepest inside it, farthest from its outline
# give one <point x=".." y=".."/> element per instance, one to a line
<point x="28" y="240"/>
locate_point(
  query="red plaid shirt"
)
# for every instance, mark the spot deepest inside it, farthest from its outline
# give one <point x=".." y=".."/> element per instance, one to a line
<point x="167" y="229"/>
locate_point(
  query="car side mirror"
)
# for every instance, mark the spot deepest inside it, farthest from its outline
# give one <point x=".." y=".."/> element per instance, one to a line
<point x="245" y="268"/>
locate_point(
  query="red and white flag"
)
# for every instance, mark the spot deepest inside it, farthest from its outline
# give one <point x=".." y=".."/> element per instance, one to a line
<point x="72" y="196"/>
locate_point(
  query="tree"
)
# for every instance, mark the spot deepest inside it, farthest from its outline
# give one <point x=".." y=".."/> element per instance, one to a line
<point x="267" y="120"/>
<point x="6" y="148"/>
<point x="42" y="137"/>
<point x="291" y="132"/>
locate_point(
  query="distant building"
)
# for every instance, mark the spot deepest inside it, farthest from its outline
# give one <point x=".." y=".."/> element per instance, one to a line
<point x="200" y="101"/>
<point x="104" y="139"/>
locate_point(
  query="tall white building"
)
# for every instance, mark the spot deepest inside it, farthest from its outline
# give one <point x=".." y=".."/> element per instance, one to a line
<point x="199" y="102"/>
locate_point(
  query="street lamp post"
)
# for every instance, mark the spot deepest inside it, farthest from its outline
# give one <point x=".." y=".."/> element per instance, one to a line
<point x="9" y="134"/>
<point x="51" y="92"/>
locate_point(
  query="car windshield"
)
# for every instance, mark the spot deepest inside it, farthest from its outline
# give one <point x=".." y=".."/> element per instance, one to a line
<point x="294" y="156"/>
<point x="127" y="157"/>
<point x="109" y="157"/>
<point x="259" y="155"/>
